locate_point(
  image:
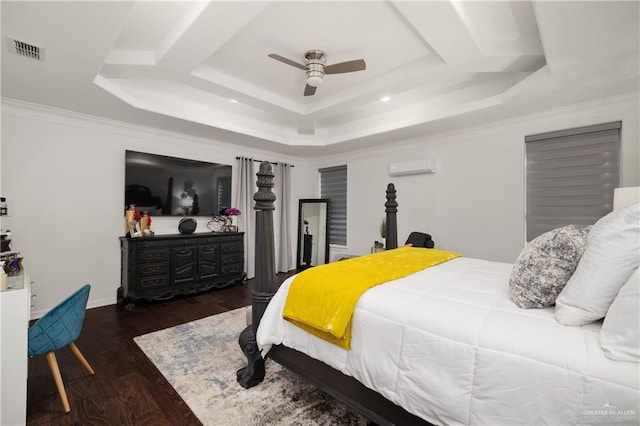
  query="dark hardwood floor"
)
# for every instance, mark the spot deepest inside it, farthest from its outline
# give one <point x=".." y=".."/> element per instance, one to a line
<point x="127" y="389"/>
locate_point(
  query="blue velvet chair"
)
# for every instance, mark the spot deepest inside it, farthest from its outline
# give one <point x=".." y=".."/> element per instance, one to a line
<point x="58" y="328"/>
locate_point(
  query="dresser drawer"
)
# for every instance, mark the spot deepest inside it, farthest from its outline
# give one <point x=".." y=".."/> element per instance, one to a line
<point x="155" y="255"/>
<point x="146" y="283"/>
<point x="151" y="243"/>
<point x="148" y="269"/>
<point x="235" y="268"/>
<point x="232" y="258"/>
<point x="224" y="238"/>
<point x="232" y="247"/>
<point x="211" y="240"/>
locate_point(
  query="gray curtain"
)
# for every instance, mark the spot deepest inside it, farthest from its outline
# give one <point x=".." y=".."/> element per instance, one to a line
<point x="282" y="182"/>
<point x="246" y="186"/>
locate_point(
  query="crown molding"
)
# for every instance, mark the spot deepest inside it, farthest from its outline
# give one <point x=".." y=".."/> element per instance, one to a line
<point x="86" y="121"/>
<point x="538" y="122"/>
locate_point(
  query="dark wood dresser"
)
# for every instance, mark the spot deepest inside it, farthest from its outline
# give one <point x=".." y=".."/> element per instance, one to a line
<point x="164" y="266"/>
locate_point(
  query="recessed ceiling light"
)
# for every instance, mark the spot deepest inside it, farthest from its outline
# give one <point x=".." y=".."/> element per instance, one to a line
<point x="235" y="101"/>
<point x="385" y="99"/>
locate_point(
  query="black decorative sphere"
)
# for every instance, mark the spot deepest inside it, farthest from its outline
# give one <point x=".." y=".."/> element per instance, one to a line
<point x="187" y="225"/>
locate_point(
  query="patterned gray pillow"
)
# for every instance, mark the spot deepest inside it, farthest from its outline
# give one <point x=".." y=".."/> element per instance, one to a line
<point x="545" y="265"/>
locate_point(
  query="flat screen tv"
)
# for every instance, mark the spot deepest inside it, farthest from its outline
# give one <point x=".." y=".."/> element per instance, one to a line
<point x="170" y="186"/>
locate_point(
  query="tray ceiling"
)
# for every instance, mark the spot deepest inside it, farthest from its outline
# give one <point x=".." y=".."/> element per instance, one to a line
<point x="202" y="67"/>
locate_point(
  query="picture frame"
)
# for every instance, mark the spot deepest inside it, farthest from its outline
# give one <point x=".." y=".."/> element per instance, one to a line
<point x="134" y="229"/>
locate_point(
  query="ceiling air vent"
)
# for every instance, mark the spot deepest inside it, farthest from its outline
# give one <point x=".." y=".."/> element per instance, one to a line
<point x="25" y="49"/>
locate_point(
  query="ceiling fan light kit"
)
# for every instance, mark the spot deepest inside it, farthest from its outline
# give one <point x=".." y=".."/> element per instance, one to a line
<point x="314" y="80"/>
<point x="315" y="68"/>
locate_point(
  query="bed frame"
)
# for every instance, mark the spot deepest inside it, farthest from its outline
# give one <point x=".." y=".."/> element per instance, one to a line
<point x="342" y="387"/>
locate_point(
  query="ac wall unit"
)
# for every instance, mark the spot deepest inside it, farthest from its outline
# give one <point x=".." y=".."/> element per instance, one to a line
<point x="415" y="167"/>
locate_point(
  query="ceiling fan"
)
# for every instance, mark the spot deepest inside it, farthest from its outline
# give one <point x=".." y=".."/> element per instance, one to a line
<point x="316" y="68"/>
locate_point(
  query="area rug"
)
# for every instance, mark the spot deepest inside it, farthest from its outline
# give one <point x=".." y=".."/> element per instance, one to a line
<point x="200" y="358"/>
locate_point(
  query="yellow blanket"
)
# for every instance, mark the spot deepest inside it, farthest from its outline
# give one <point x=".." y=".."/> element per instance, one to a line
<point x="321" y="300"/>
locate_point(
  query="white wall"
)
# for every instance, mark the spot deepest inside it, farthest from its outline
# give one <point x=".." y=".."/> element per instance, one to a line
<point x="63" y="176"/>
<point x="474" y="203"/>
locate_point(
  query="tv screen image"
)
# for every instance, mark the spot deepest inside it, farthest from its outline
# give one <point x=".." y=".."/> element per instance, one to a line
<point x="170" y="186"/>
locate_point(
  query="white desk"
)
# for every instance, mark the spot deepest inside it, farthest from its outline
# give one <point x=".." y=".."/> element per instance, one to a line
<point x="15" y="308"/>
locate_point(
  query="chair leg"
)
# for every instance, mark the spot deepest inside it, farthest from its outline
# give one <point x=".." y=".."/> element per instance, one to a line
<point x="81" y="358"/>
<point x="53" y="365"/>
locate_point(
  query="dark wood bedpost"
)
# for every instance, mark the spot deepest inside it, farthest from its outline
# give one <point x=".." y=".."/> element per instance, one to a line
<point x="392" y="223"/>
<point x="264" y="282"/>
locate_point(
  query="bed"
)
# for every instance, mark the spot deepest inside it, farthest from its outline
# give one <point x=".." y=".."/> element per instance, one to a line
<point x="444" y="345"/>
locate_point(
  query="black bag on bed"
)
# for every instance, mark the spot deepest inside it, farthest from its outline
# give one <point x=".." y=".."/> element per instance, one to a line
<point x="420" y="239"/>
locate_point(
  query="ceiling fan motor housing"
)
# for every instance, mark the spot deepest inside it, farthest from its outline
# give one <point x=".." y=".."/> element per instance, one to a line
<point x="315" y="67"/>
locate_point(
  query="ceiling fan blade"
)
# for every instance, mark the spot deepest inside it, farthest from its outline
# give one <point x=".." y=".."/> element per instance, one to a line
<point x="349" y="66"/>
<point x="287" y="61"/>
<point x="309" y="90"/>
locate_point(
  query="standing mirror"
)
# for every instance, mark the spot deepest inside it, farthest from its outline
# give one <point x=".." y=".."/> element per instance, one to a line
<point x="313" y="232"/>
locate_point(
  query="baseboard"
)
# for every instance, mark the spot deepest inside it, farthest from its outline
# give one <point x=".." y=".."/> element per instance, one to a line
<point x="90" y="304"/>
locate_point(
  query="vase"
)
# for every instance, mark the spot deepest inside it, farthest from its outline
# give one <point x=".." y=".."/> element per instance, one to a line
<point x="144" y="223"/>
<point x="129" y="218"/>
<point x="217" y="224"/>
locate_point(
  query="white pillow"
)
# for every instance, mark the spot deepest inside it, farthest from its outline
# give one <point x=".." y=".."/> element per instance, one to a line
<point x="611" y="256"/>
<point x="620" y="334"/>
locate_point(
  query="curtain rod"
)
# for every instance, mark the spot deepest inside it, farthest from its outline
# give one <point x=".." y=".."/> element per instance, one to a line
<point x="260" y="161"/>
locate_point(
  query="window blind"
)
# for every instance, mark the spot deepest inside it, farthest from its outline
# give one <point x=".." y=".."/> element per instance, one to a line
<point x="333" y="185"/>
<point x="570" y="176"/>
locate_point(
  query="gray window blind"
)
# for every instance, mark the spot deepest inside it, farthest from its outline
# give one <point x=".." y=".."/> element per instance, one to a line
<point x="333" y="185"/>
<point x="570" y="176"/>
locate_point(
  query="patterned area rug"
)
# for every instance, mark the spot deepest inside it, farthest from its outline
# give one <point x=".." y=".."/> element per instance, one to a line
<point x="200" y="359"/>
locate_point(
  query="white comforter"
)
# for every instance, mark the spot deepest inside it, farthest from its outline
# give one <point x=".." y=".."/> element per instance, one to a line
<point x="449" y="345"/>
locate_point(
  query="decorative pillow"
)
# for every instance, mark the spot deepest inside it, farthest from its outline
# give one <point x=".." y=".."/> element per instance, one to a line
<point x="620" y="335"/>
<point x="611" y="256"/>
<point x="545" y="265"/>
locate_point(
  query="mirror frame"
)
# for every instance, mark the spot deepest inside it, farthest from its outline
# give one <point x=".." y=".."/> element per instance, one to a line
<point x="301" y="203"/>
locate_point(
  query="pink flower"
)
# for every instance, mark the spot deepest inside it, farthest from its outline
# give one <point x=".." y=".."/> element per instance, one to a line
<point x="232" y="211"/>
